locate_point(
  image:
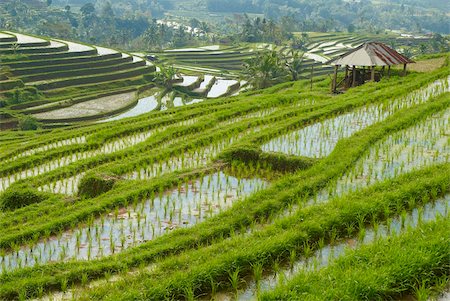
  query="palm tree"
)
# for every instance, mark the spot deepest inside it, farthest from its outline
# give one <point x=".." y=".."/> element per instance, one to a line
<point x="294" y="64"/>
<point x="264" y="70"/>
<point x="166" y="76"/>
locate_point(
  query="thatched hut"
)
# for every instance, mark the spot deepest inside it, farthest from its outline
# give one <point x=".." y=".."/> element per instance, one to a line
<point x="369" y="55"/>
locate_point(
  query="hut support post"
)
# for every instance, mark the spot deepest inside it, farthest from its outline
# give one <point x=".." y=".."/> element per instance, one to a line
<point x="389" y="71"/>
<point x="372" y="74"/>
<point x="333" y="88"/>
<point x="404" y="69"/>
<point x="354" y="76"/>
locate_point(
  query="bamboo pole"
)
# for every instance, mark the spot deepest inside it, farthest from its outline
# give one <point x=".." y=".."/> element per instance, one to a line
<point x="372" y="74"/>
<point x="354" y="76"/>
<point x="333" y="90"/>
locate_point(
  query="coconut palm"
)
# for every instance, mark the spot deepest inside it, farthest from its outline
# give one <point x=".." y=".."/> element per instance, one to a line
<point x="294" y="64"/>
<point x="166" y="76"/>
<point x="265" y="69"/>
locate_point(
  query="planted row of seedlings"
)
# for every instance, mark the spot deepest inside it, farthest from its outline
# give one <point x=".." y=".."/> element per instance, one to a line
<point x="143" y="253"/>
<point x="193" y="159"/>
<point x="410" y="266"/>
<point x="202" y="270"/>
<point x="47" y="147"/>
<point x="318" y="140"/>
<point x="423" y="144"/>
<point x="313" y="260"/>
<point x="189" y="203"/>
<point x="190" y="159"/>
<point x="106" y="148"/>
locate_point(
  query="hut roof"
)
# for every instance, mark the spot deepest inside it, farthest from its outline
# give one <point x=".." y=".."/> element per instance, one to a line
<point x="371" y="54"/>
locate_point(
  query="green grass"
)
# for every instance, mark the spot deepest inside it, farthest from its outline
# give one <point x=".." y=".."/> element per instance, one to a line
<point x="412" y="264"/>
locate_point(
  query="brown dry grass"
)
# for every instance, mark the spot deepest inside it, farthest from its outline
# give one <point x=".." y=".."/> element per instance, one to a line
<point x="427" y="65"/>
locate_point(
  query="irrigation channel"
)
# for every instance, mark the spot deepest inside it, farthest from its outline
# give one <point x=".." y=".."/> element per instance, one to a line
<point x="314" y="260"/>
<point x="180" y="207"/>
<point x="319" y="139"/>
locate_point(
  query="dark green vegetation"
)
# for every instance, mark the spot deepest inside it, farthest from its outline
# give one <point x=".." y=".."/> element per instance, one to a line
<point x="130" y="24"/>
<point x="122" y="164"/>
<point x="20" y="196"/>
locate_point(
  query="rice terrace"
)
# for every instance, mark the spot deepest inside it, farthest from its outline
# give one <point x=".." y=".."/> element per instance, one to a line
<point x="221" y="150"/>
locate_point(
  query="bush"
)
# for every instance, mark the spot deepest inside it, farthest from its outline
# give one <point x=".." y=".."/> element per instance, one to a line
<point x="18" y="196"/>
<point x="248" y="153"/>
<point x="93" y="185"/>
<point x="28" y="123"/>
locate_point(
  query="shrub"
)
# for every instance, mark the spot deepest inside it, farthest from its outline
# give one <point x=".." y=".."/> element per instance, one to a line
<point x="93" y="185"/>
<point x="28" y="123"/>
<point x="248" y="153"/>
<point x="18" y="196"/>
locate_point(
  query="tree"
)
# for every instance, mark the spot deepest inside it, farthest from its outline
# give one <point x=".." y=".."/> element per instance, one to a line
<point x="28" y="123"/>
<point x="294" y="65"/>
<point x="351" y="28"/>
<point x="166" y="76"/>
<point x="265" y="70"/>
<point x="107" y="11"/>
<point x="151" y="37"/>
<point x="87" y="9"/>
<point x="204" y="27"/>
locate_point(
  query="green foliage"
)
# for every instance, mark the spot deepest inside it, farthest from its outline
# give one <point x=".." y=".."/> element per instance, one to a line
<point x="18" y="196"/>
<point x="28" y="123"/>
<point x="294" y="65"/>
<point x="166" y="76"/>
<point x="265" y="70"/>
<point x="6" y="58"/>
<point x="252" y="154"/>
<point x="93" y="184"/>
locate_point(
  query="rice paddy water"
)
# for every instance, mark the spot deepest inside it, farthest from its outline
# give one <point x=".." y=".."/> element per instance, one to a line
<point x="319" y="139"/>
<point x="122" y="228"/>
